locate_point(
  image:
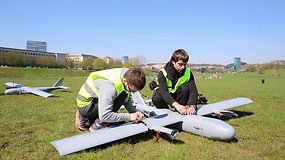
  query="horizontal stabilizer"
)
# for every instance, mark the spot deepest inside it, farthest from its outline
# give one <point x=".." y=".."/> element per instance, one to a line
<point x="137" y="98"/>
<point x="63" y="87"/>
<point x="211" y="108"/>
<point x="92" y="139"/>
<point x="13" y="85"/>
<point x="147" y="101"/>
<point x="140" y="104"/>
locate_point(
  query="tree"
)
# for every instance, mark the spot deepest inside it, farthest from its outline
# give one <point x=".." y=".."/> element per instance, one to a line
<point x="137" y="61"/>
<point x="203" y="70"/>
<point x="14" y="59"/>
<point x="69" y="63"/>
<point x="87" y="63"/>
<point x="46" y="62"/>
<point x="127" y="64"/>
<point x="250" y="68"/>
<point x="116" y="64"/>
<point x="100" y="64"/>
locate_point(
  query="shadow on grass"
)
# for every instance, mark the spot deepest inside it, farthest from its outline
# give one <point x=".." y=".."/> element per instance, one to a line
<point x="130" y="140"/>
<point x="66" y="91"/>
<point x="243" y="113"/>
<point x="142" y="137"/>
<point x="240" y="114"/>
<point x="234" y="140"/>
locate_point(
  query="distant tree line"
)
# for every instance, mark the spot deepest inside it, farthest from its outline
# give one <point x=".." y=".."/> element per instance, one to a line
<point x="259" y="68"/>
<point x="279" y="64"/>
<point x="100" y="64"/>
<point x="16" y="59"/>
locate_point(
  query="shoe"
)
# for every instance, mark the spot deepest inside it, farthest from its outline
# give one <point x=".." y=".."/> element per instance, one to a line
<point x="80" y="122"/>
<point x="95" y="126"/>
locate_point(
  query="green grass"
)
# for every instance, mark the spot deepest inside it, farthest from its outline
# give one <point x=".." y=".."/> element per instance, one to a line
<point x="28" y="123"/>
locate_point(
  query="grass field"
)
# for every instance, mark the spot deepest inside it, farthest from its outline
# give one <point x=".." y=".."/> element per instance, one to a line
<point x="28" y="122"/>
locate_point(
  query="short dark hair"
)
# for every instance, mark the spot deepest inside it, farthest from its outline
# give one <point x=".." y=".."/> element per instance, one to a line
<point x="180" y="54"/>
<point x="136" y="78"/>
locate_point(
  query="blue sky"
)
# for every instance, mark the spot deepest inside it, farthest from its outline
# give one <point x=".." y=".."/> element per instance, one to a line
<point x="211" y="31"/>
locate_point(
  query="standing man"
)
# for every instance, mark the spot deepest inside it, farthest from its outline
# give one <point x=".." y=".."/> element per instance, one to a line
<point x="102" y="95"/>
<point x="176" y="85"/>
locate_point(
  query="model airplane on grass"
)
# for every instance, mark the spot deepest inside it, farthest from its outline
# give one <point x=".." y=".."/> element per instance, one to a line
<point x="158" y="120"/>
<point x="14" y="88"/>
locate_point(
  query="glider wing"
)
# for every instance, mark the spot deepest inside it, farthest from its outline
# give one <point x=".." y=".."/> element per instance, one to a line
<point x="215" y="107"/>
<point x="38" y="92"/>
<point x="99" y="137"/>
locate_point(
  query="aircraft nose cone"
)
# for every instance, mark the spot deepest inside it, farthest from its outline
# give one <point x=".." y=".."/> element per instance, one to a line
<point x="12" y="91"/>
<point x="7" y="91"/>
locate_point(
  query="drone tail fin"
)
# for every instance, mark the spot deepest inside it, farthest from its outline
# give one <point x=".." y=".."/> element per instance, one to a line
<point x="58" y="82"/>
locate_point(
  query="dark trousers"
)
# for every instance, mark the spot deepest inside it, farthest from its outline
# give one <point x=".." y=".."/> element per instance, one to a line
<point x="91" y="111"/>
<point x="181" y="96"/>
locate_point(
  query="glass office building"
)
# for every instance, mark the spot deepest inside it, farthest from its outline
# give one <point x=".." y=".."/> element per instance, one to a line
<point x="125" y="59"/>
<point x="37" y="46"/>
<point x="237" y="63"/>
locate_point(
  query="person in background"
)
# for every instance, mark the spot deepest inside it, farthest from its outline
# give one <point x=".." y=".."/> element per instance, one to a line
<point x="262" y="81"/>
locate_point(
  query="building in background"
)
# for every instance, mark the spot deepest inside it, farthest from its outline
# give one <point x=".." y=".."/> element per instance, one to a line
<point x="79" y="58"/>
<point x="37" y="46"/>
<point x="60" y="57"/>
<point x="125" y="59"/>
<point x="107" y="59"/>
<point x="237" y="63"/>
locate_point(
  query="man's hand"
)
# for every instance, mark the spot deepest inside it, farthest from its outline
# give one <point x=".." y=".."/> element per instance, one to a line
<point x="191" y="110"/>
<point x="137" y="116"/>
<point x="180" y="108"/>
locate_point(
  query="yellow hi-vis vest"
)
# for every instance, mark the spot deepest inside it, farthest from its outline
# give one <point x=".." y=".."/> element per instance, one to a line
<point x="185" y="78"/>
<point x="88" y="91"/>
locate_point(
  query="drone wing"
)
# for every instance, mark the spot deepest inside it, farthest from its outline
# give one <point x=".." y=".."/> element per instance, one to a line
<point x="38" y="92"/>
<point x="227" y="104"/>
<point x="92" y="139"/>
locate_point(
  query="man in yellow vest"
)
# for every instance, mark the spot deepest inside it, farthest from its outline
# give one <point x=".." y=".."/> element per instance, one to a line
<point x="176" y="85"/>
<point x="102" y="95"/>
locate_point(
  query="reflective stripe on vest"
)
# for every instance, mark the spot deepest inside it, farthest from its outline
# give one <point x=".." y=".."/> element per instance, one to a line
<point x="185" y="78"/>
<point x="88" y="91"/>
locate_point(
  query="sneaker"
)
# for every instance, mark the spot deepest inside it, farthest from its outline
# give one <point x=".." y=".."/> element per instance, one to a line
<point x="95" y="126"/>
<point x="80" y="122"/>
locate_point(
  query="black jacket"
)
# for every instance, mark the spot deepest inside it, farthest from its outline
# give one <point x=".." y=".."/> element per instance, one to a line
<point x="174" y="75"/>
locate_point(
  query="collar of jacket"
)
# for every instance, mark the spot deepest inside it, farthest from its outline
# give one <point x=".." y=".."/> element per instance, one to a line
<point x="172" y="73"/>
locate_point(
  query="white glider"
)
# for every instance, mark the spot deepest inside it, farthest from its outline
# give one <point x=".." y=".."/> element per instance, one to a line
<point x="14" y="88"/>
